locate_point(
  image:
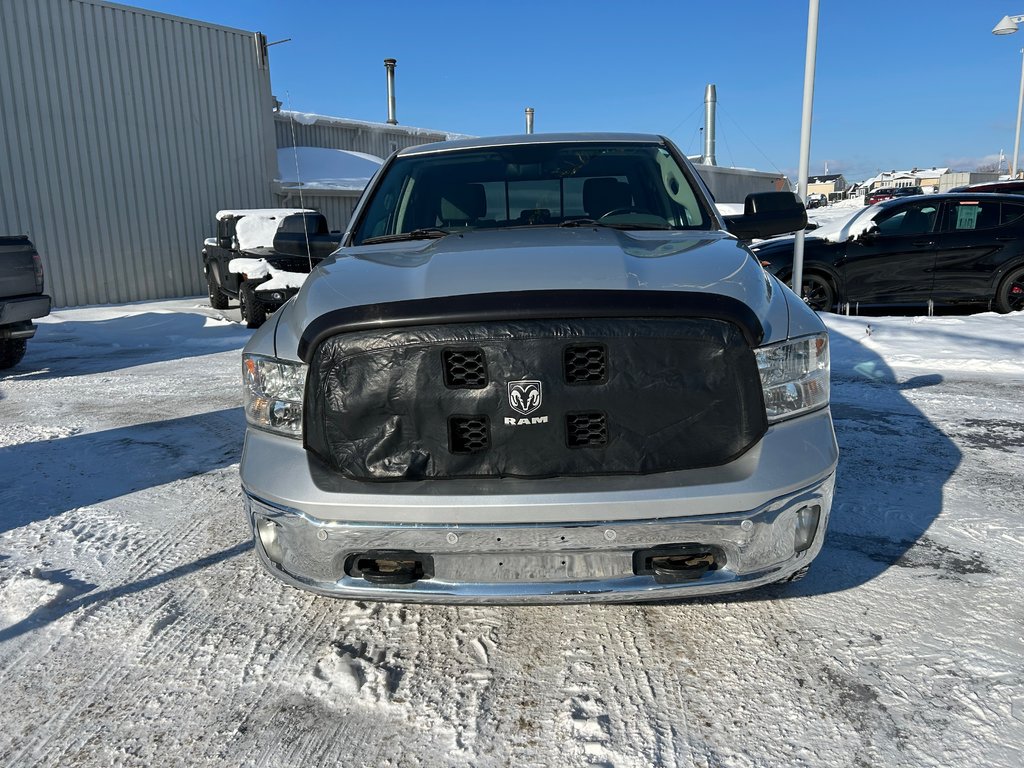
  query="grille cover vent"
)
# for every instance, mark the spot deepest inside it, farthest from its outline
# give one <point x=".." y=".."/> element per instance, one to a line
<point x="586" y="430"/>
<point x="465" y="369"/>
<point x="586" y="365"/>
<point x="468" y="434"/>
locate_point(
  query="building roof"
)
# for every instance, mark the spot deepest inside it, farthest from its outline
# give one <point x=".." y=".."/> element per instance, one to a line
<point x="913" y="173"/>
<point x="824" y="179"/>
<point x="311" y="118"/>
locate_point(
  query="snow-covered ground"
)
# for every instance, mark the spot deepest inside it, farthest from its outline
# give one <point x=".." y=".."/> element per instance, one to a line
<point x="136" y="628"/>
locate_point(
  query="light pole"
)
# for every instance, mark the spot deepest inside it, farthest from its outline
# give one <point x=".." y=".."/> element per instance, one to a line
<point x="1007" y="26"/>
<point x="805" y="140"/>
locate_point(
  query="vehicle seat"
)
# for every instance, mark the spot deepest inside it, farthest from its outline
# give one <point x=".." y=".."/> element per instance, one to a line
<point x="915" y="223"/>
<point x="463" y="205"/>
<point x="602" y="195"/>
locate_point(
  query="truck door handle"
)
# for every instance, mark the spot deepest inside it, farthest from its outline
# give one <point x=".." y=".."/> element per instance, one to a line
<point x="922" y="243"/>
<point x="1006" y="238"/>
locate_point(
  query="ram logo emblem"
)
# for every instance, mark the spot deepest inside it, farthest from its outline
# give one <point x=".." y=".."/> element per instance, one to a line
<point x="525" y="396"/>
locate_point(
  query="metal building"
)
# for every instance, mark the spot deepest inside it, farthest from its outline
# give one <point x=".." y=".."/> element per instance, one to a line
<point x="297" y="129"/>
<point x="122" y="131"/>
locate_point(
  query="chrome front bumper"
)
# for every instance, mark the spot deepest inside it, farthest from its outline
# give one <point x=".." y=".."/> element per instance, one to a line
<point x="540" y="562"/>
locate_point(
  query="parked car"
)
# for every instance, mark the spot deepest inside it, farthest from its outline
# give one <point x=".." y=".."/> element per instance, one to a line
<point x="888" y="193"/>
<point x="540" y="369"/>
<point x="261" y="256"/>
<point x="21" y="297"/>
<point x="907" y="191"/>
<point x="817" y="200"/>
<point x="945" y="248"/>
<point x="1010" y="187"/>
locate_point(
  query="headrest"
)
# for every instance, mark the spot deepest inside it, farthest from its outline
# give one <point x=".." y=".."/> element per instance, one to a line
<point x="466" y="202"/>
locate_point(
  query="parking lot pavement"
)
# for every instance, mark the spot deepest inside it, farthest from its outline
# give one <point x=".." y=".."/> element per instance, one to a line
<point x="137" y="629"/>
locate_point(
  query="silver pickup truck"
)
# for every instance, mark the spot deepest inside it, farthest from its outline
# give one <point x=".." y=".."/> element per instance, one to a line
<point x="21" y="297"/>
<point x="541" y="369"/>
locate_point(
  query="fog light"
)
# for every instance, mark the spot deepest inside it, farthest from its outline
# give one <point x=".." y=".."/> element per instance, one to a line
<point x="806" y="527"/>
<point x="268" y="530"/>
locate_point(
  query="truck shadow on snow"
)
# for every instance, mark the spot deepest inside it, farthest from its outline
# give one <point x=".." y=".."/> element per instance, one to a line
<point x="81" y="347"/>
<point x="48" y="478"/>
<point x="74" y="594"/>
<point x="893" y="464"/>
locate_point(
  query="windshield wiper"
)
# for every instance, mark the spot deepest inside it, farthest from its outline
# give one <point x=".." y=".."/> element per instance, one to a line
<point x="425" y="233"/>
<point x="612" y="225"/>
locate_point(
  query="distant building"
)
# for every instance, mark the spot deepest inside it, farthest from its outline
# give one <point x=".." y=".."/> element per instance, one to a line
<point x="300" y="132"/>
<point x="125" y="130"/>
<point x="831" y="184"/>
<point x="929" y="179"/>
<point x="966" y="178"/>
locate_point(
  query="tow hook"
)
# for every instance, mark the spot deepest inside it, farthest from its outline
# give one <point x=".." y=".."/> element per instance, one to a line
<point x="675" y="563"/>
<point x="390" y="567"/>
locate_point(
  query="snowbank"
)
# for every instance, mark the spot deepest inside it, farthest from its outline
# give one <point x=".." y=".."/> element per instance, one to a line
<point x="847" y="227"/>
<point x="986" y="345"/>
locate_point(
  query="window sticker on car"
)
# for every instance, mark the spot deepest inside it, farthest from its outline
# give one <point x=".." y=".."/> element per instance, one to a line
<point x="967" y="215"/>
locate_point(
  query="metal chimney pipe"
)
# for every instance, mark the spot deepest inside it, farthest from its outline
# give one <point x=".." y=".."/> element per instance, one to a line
<point x="529" y="119"/>
<point x="389" y="65"/>
<point x="710" y="101"/>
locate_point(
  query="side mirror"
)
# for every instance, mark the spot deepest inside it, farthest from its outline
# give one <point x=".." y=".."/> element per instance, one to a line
<point x="766" y="214"/>
<point x="870" y="233"/>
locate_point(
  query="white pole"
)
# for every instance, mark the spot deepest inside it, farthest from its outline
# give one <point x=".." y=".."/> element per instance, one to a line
<point x="805" y="139"/>
<point x="1020" y="103"/>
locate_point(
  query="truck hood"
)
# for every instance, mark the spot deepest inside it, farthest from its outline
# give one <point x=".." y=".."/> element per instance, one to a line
<point x="531" y="259"/>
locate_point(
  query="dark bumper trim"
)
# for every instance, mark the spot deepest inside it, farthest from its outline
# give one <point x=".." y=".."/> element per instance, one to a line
<point x="23" y="308"/>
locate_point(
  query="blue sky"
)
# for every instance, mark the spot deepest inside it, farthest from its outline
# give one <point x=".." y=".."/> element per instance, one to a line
<point x="899" y="84"/>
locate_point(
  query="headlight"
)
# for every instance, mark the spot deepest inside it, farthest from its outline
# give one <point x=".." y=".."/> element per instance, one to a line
<point x="273" y="394"/>
<point x="794" y="376"/>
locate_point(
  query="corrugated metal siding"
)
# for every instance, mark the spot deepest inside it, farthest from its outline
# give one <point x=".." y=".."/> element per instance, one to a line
<point x="379" y="140"/>
<point x="122" y="132"/>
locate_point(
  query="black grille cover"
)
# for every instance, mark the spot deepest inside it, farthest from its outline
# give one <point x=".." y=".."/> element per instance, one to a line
<point x="667" y="394"/>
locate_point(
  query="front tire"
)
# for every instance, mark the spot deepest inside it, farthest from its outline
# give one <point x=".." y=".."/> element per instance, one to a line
<point x="254" y="314"/>
<point x="818" y="293"/>
<point x="11" y="352"/>
<point x="1010" y="294"/>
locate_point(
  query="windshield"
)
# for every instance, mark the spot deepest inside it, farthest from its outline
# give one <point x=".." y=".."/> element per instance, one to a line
<point x="628" y="186"/>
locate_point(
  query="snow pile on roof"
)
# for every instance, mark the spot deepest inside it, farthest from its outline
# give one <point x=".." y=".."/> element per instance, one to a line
<point x="322" y="168"/>
<point x="239" y="212"/>
<point x="254" y="269"/>
<point x="845" y="228"/>
<point x="256" y="227"/>
<point x="310" y="118"/>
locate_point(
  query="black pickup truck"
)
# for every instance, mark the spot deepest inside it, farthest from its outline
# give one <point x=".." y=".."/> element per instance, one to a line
<point x="260" y="257"/>
<point x="21" y="297"/>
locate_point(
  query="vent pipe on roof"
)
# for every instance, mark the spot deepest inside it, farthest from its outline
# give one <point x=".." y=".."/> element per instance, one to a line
<point x="710" y="101"/>
<point x="389" y="65"/>
<point x="529" y="119"/>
